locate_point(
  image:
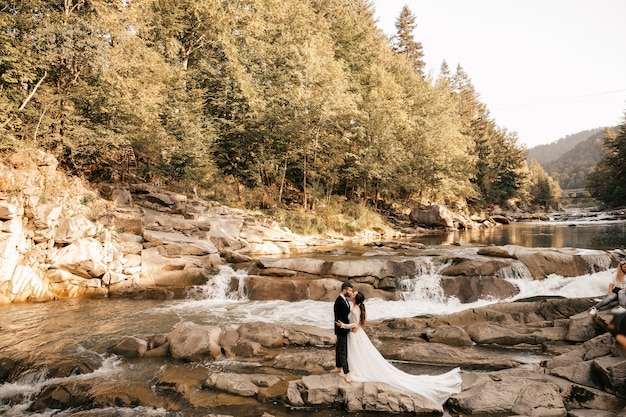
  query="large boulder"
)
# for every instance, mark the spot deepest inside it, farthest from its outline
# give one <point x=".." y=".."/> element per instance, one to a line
<point x="469" y="289"/>
<point x="158" y="268"/>
<point x="84" y="258"/>
<point x="509" y="393"/>
<point x="432" y="216"/>
<point x="190" y="341"/>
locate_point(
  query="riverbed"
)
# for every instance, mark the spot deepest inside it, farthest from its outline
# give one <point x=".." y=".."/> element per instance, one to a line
<point x="72" y="329"/>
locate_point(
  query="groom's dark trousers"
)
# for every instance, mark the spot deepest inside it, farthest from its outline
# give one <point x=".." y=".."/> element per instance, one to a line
<point x="342" y="309"/>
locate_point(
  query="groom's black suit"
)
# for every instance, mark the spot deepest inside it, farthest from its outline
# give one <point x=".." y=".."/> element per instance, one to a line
<point x="342" y="309"/>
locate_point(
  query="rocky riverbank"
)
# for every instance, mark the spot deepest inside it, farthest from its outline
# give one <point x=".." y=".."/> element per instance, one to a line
<point x="264" y="366"/>
<point x="62" y="239"/>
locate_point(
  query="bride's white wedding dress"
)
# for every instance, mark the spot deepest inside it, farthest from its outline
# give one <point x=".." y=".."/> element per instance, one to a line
<point x="368" y="365"/>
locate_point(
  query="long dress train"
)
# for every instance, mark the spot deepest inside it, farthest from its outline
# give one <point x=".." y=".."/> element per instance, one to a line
<point x="368" y="365"/>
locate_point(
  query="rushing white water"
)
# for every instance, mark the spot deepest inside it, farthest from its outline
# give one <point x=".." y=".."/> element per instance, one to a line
<point x="32" y="383"/>
<point x="98" y="323"/>
<point x="421" y="295"/>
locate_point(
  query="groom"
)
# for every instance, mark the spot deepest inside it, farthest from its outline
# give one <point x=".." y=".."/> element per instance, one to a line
<point x="342" y="309"/>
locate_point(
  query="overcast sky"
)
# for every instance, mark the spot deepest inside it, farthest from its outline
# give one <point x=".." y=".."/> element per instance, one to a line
<point x="544" y="68"/>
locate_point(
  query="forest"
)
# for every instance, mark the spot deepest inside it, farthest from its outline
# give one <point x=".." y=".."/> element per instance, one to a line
<point x="291" y="103"/>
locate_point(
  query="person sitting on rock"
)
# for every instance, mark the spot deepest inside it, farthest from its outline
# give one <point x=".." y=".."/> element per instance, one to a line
<point x="617" y="291"/>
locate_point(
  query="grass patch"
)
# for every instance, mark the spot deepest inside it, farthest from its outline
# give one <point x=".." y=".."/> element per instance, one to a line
<point x="339" y="217"/>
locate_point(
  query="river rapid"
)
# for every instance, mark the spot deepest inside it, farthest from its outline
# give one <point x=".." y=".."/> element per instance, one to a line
<point x="73" y="329"/>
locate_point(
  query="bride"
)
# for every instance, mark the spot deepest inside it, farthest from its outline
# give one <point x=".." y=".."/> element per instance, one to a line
<point x="368" y="365"/>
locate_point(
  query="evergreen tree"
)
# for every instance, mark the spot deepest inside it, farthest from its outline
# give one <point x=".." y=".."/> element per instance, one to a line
<point x="404" y="42"/>
<point x="499" y="170"/>
<point x="607" y="182"/>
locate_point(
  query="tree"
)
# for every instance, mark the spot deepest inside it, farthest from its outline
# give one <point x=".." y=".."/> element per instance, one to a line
<point x="607" y="182"/>
<point x="544" y="191"/>
<point x="404" y="43"/>
<point x="499" y="161"/>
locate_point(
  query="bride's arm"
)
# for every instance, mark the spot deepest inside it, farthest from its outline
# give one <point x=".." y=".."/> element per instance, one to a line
<point x="347" y="325"/>
<point x="354" y="321"/>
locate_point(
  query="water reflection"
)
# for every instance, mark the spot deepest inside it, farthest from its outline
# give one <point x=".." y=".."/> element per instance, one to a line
<point x="590" y="235"/>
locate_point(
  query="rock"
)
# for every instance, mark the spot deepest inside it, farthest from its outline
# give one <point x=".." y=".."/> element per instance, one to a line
<point x="369" y="396"/>
<point x="83" y="258"/>
<point x="159" y="351"/>
<point x="133" y="292"/>
<point x="541" y="262"/>
<point x="594" y="348"/>
<point x="9" y="210"/>
<point x="268" y="335"/>
<point x="245" y="348"/>
<point x="159" y="269"/>
<point x="433" y="353"/>
<point x="269" y="288"/>
<point x="505" y="393"/>
<point x="234" y="383"/>
<point x="190" y="341"/>
<point x="432" y="216"/>
<point x="234" y="257"/>
<point x="309" y="336"/>
<point x="332" y="389"/>
<point x="315" y="362"/>
<point x="131" y="347"/>
<point x="612" y="374"/>
<point x="473" y="288"/>
<point x="71" y="229"/>
<point x="449" y="335"/>
<point x="580" y="373"/>
<point x="541" y="401"/>
<point x="62" y="396"/>
<point x="489" y="333"/>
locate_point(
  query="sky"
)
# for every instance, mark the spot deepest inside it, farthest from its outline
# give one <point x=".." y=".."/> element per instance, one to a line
<point x="544" y="68"/>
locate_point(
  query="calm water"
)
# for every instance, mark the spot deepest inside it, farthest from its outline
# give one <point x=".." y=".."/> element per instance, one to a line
<point x="605" y="235"/>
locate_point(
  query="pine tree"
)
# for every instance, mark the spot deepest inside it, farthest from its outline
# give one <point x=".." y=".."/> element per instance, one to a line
<point x="607" y="182"/>
<point x="404" y="43"/>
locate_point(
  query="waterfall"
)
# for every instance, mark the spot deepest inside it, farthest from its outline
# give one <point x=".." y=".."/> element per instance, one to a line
<point x="219" y="286"/>
<point x="597" y="260"/>
<point x="517" y="270"/>
<point x="425" y="285"/>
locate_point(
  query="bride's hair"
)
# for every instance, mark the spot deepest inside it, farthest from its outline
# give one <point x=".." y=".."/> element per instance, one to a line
<point x="358" y="299"/>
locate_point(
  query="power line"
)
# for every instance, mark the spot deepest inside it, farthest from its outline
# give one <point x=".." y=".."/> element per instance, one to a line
<point x="581" y="97"/>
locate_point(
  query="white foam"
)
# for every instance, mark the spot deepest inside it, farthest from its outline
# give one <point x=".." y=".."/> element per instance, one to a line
<point x="421" y="295"/>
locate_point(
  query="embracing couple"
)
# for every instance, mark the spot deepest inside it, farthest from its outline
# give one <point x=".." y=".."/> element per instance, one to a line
<point x="359" y="360"/>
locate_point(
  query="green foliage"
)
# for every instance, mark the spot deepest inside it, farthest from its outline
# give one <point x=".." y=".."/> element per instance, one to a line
<point x="300" y="102"/>
<point x="570" y="170"/>
<point x="403" y="42"/>
<point x="544" y="191"/>
<point x="607" y="182"/>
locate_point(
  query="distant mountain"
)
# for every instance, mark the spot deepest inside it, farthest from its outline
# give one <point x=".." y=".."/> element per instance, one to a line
<point x="571" y="168"/>
<point x="553" y="151"/>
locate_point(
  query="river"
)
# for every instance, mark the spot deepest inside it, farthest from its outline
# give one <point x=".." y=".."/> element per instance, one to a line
<point x="74" y="329"/>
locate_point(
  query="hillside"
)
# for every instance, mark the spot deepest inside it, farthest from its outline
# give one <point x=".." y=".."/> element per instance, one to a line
<point x="553" y="151"/>
<point x="571" y="169"/>
<point x="570" y="159"/>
